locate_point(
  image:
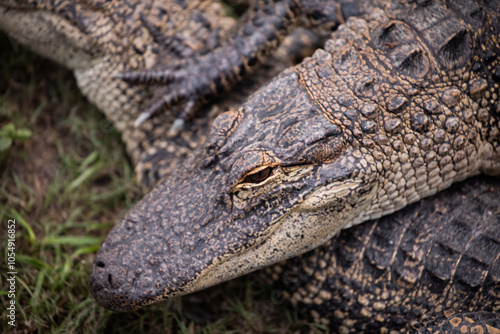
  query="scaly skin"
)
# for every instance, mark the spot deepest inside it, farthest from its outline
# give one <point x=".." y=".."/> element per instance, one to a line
<point x="437" y="259"/>
<point x="86" y="49"/>
<point x="100" y="39"/>
<point x="259" y="32"/>
<point x="401" y="103"/>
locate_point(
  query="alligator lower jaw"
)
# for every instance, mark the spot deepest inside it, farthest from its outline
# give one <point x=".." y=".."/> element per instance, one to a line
<point x="220" y="270"/>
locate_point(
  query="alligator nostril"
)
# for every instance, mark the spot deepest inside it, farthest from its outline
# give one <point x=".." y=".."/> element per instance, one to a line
<point x="100" y="264"/>
<point x="110" y="279"/>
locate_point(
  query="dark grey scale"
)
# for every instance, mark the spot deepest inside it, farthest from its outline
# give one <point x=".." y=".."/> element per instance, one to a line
<point x="444" y="150"/>
<point x="346" y="60"/>
<point x="366" y="88"/>
<point x="439" y="266"/>
<point x="370" y="110"/>
<point x="397" y="104"/>
<point x="452" y="124"/>
<point x="368" y="126"/>
<point x="346" y="100"/>
<point x="451" y="97"/>
<point x="394" y="38"/>
<point x="388" y="35"/>
<point x="416" y="64"/>
<point x="455" y="51"/>
<point x="324" y="71"/>
<point x="424" y="15"/>
<point x="477" y="87"/>
<point x="439" y="136"/>
<point x="381" y="245"/>
<point x="432" y="107"/>
<point x="392" y="125"/>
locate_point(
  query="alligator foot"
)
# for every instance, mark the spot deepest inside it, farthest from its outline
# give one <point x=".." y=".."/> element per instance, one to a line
<point x="202" y="76"/>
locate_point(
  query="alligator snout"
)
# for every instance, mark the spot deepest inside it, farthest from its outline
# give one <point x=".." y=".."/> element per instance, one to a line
<point x="107" y="278"/>
<point x="146" y="257"/>
<point x="167" y="241"/>
<point x="112" y="274"/>
<point x="116" y="272"/>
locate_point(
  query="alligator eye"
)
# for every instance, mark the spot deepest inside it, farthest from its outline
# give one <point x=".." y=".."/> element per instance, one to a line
<point x="259" y="176"/>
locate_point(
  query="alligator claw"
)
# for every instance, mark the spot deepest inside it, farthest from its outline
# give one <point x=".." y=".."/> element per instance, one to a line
<point x="189" y="109"/>
<point x="177" y="127"/>
<point x="148" y="76"/>
<point x="178" y="124"/>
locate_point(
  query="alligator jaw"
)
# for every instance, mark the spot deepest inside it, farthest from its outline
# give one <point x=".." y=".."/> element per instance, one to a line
<point x="175" y="235"/>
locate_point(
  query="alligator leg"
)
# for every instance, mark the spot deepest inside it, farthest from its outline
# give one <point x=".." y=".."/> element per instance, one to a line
<point x="194" y="79"/>
<point x="97" y="39"/>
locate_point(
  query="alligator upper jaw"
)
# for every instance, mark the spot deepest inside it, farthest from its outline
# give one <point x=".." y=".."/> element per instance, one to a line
<point x="153" y="252"/>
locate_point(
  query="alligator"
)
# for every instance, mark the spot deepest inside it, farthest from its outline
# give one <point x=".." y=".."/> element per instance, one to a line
<point x="425" y="71"/>
<point x="400" y="103"/>
<point x="260" y="30"/>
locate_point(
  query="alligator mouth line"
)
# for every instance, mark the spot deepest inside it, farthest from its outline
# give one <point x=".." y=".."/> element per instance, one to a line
<point x="205" y="278"/>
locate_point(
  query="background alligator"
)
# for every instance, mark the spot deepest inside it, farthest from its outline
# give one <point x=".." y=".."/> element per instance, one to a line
<point x="261" y="173"/>
<point x="138" y="35"/>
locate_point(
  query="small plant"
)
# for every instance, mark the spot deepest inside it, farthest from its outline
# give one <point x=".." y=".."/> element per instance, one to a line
<point x="9" y="134"/>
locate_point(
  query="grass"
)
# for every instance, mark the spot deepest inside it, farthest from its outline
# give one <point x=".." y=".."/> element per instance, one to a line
<point x="66" y="180"/>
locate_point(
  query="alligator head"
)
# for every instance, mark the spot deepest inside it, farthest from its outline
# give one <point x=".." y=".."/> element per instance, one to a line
<point x="275" y="179"/>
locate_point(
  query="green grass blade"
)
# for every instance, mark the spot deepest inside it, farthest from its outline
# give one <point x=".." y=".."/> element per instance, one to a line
<point x="19" y="219"/>
<point x="72" y="240"/>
